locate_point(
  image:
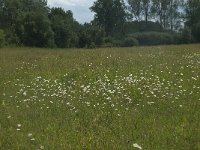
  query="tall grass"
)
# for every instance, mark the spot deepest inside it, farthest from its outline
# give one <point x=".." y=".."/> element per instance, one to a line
<point x="121" y="98"/>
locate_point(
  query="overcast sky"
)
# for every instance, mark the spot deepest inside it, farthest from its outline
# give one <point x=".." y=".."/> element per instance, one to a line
<point x="80" y="8"/>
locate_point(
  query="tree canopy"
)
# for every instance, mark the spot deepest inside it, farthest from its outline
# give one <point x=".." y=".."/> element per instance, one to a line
<point x="32" y="23"/>
<point x="109" y="14"/>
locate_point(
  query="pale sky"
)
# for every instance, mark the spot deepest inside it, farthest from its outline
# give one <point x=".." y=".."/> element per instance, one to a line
<point x="80" y="8"/>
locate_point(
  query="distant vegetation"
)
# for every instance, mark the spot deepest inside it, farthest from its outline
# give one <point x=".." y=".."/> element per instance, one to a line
<point x="117" y="23"/>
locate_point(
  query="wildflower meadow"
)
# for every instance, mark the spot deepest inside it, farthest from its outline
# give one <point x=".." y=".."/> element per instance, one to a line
<point x="110" y="98"/>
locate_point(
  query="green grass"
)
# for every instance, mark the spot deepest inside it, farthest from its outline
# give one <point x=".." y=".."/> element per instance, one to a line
<point x="58" y="99"/>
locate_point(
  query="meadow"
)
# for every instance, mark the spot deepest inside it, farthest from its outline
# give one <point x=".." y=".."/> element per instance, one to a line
<point x="112" y="98"/>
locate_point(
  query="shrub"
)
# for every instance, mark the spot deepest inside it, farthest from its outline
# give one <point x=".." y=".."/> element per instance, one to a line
<point x="154" y="38"/>
<point x="129" y="42"/>
<point x="142" y="26"/>
<point x="92" y="45"/>
<point x="111" y="42"/>
<point x="107" y="45"/>
<point x="196" y="31"/>
<point x="117" y="42"/>
<point x="186" y="35"/>
<point x="108" y="39"/>
<point x="12" y="39"/>
<point x="2" y="38"/>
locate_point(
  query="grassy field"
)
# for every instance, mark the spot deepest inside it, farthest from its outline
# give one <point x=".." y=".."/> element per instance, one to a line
<point x="107" y="99"/>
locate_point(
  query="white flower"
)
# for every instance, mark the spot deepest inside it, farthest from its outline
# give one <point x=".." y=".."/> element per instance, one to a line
<point x="150" y="103"/>
<point x="25" y="93"/>
<point x="41" y="147"/>
<point x="33" y="139"/>
<point x="137" y="146"/>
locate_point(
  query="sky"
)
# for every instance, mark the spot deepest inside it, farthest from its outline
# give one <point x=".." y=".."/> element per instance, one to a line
<point x="80" y="8"/>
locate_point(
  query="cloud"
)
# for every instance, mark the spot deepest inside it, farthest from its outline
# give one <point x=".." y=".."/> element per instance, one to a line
<point x="80" y="8"/>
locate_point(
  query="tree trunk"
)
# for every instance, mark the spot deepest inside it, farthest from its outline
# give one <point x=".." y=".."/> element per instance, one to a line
<point x="146" y="17"/>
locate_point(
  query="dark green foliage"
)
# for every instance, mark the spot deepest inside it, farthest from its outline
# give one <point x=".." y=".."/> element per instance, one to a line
<point x="96" y="34"/>
<point x="113" y="42"/>
<point x="110" y="15"/>
<point x="12" y="39"/>
<point x="186" y="35"/>
<point x="91" y="35"/>
<point x="196" y="31"/>
<point x="154" y="38"/>
<point x="10" y="16"/>
<point x="2" y="38"/>
<point x="26" y="23"/>
<point x="167" y="13"/>
<point x="37" y="31"/>
<point x="135" y="8"/>
<point x="141" y="26"/>
<point x="177" y="38"/>
<point x="192" y="12"/>
<point x="129" y="42"/>
<point x="108" y="45"/>
<point x="150" y="22"/>
<point x="193" y="19"/>
<point x="63" y="28"/>
<point x="92" y="45"/>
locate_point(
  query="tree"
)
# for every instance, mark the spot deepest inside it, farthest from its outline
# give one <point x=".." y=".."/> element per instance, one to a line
<point x="109" y="14"/>
<point x="36" y="24"/>
<point x="120" y="16"/>
<point x="186" y="35"/>
<point x="37" y="31"/>
<point x="63" y="27"/>
<point x="135" y="7"/>
<point x="2" y="38"/>
<point x="146" y="7"/>
<point x="175" y="14"/>
<point x="192" y="12"/>
<point x="91" y="35"/>
<point x="10" y="16"/>
<point x="167" y="12"/>
<point x="193" y="19"/>
<point x="159" y="10"/>
<point x="26" y="22"/>
<point x="196" y="31"/>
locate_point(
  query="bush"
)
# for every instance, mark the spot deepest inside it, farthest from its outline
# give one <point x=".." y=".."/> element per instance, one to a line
<point x="2" y="38"/>
<point x="107" y="45"/>
<point x="92" y="45"/>
<point x="154" y="38"/>
<point x="141" y="26"/>
<point x="108" y="39"/>
<point x="196" y="31"/>
<point x="12" y="39"/>
<point x="111" y="42"/>
<point x="117" y="42"/>
<point x="186" y="35"/>
<point x="129" y="42"/>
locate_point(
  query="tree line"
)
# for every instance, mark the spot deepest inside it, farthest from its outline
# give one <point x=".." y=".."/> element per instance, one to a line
<point x="116" y="23"/>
